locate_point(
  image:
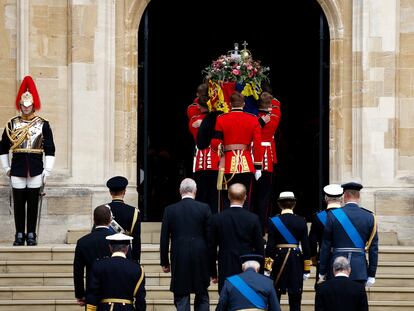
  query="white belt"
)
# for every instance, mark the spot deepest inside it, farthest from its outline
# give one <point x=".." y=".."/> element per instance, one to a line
<point x="266" y="144"/>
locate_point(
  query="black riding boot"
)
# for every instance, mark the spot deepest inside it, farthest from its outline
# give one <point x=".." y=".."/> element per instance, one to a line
<point x="19" y="200"/>
<point x="32" y="210"/>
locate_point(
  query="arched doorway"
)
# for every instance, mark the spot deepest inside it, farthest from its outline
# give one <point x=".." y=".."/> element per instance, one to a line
<point x="276" y="34"/>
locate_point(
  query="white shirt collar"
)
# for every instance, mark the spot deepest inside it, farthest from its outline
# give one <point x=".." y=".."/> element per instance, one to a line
<point x="333" y="205"/>
<point x="236" y="205"/>
<point x="118" y="254"/>
<point x="341" y="274"/>
<point x="97" y="227"/>
<point x="187" y="196"/>
<point x="286" y="211"/>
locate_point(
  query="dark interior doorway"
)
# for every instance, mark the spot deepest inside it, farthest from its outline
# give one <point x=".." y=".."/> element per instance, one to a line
<point x="284" y="35"/>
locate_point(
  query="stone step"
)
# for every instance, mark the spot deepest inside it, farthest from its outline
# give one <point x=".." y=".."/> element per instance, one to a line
<point x="167" y="305"/>
<point x="162" y="292"/>
<point x="160" y="278"/>
<point x="153" y="265"/>
<point x="150" y="233"/>
<point x="151" y="251"/>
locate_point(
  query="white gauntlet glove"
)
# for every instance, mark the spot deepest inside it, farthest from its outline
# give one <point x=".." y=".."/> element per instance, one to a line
<point x="4" y="159"/>
<point x="306" y="276"/>
<point x="370" y="282"/>
<point x="49" y="163"/>
<point x="257" y="174"/>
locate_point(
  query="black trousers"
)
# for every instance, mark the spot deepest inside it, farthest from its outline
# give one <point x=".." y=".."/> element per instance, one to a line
<point x="201" y="302"/>
<point x="262" y="192"/>
<point x="207" y="188"/>
<point x="294" y="300"/>
<point x="20" y="198"/>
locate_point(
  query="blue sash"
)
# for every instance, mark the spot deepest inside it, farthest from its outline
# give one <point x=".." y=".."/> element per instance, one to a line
<point x="284" y="231"/>
<point x="247" y="292"/>
<point x="322" y="217"/>
<point x="349" y="228"/>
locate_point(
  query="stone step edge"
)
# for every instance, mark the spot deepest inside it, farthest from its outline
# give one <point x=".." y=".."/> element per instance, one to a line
<point x="407" y="303"/>
<point x="153" y="246"/>
<point x="42" y="288"/>
<point x="160" y="275"/>
<point x="157" y="262"/>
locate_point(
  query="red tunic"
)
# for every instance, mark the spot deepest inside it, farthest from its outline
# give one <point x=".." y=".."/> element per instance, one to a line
<point x="193" y="109"/>
<point x="278" y="113"/>
<point x="239" y="128"/>
<point x="204" y="159"/>
<point x="268" y="141"/>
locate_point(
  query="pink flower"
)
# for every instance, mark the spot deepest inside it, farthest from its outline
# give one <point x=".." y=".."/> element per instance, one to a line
<point x="236" y="72"/>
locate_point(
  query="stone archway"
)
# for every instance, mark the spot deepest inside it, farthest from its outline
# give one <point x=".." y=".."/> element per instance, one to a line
<point x="339" y="16"/>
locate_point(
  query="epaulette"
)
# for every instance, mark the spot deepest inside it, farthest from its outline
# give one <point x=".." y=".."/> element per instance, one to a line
<point x="366" y="210"/>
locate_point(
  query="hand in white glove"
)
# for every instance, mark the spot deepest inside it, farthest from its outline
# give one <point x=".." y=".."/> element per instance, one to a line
<point x="257" y="174"/>
<point x="370" y="282"/>
<point x="45" y="173"/>
<point x="306" y="276"/>
<point x="267" y="273"/>
<point x="4" y="159"/>
<point x="321" y="278"/>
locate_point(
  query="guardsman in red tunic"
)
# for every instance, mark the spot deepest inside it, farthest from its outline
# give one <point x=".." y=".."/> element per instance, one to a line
<point x="205" y="162"/>
<point x="193" y="109"/>
<point x="236" y="131"/>
<point x="263" y="188"/>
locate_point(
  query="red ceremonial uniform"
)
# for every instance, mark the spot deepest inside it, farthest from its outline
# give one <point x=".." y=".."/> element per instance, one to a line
<point x="278" y="113"/>
<point x="205" y="159"/>
<point x="238" y="128"/>
<point x="193" y="109"/>
<point x="268" y="141"/>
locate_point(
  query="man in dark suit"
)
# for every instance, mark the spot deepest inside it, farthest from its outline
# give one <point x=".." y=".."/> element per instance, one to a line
<point x="117" y="283"/>
<point x="186" y="223"/>
<point x="248" y="290"/>
<point x="340" y="293"/>
<point x="89" y="248"/>
<point x="127" y="216"/>
<point x="235" y="232"/>
<point x="291" y="264"/>
<point x="333" y="197"/>
<point x="351" y="231"/>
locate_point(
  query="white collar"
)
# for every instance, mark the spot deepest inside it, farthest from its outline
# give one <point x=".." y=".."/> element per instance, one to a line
<point x="97" y="227"/>
<point x="287" y="211"/>
<point x="342" y="274"/>
<point x="236" y="205"/>
<point x="118" y="254"/>
<point x="333" y="205"/>
<point x="187" y="196"/>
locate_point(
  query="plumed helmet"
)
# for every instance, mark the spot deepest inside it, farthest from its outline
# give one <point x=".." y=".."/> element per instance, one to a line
<point x="28" y="94"/>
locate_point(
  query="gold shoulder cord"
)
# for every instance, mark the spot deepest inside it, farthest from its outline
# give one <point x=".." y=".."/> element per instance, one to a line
<point x="19" y="135"/>
<point x="374" y="231"/>
<point x="139" y="281"/>
<point x="134" y="220"/>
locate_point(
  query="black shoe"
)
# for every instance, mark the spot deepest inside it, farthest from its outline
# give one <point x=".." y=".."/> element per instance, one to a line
<point x="31" y="239"/>
<point x="18" y="239"/>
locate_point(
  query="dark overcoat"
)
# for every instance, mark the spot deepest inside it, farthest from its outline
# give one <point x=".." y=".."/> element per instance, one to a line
<point x="340" y="294"/>
<point x="88" y="249"/>
<point x="186" y="224"/>
<point x="235" y="231"/>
